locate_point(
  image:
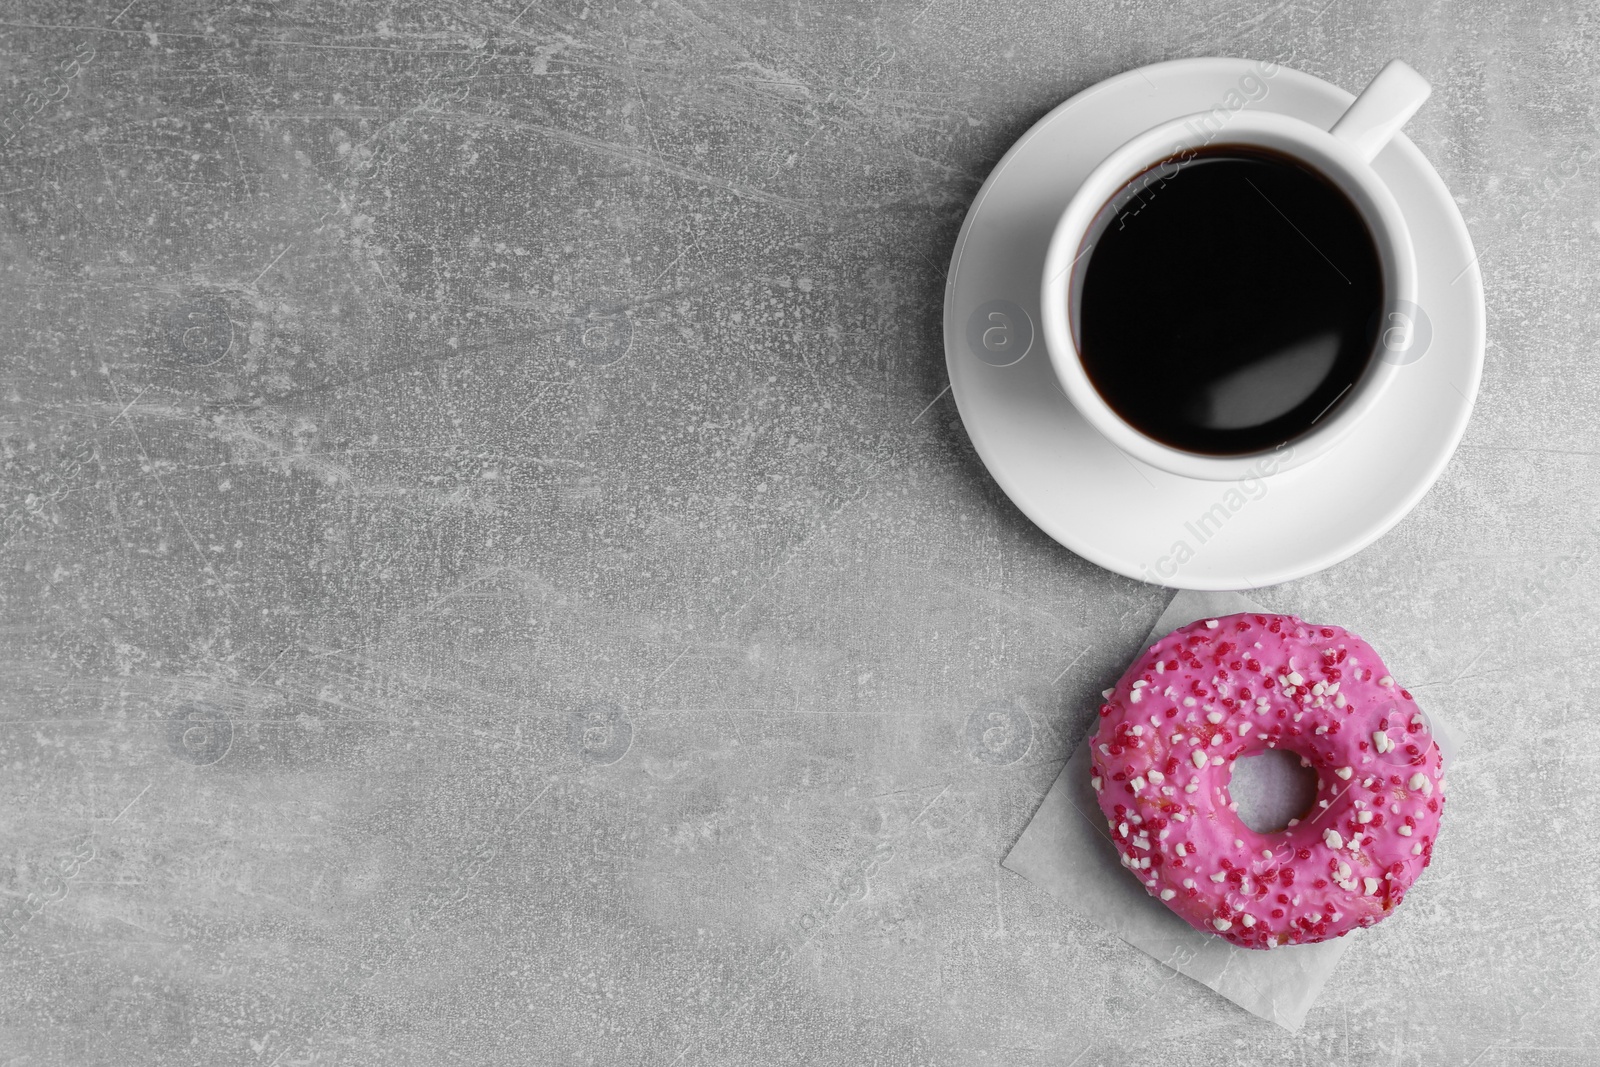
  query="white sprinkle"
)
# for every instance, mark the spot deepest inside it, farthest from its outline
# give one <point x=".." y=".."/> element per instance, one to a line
<point x="1144" y="864"/>
<point x="1190" y="788"/>
<point x="1417" y="780"/>
<point x="1363" y="817"/>
<point x="1097" y="782"/>
<point x="1295" y="679"/>
<point x="1135" y="696"/>
<point x="1104" y="751"/>
<point x="1140" y="684"/>
<point x="1157" y="777"/>
<point x="1405" y="831"/>
<point x="1386" y="681"/>
<point x="1188" y="883"/>
<point x="1381" y="741"/>
<point x="1220" y="876"/>
<point x="1198" y="757"/>
<point x="1122" y="829"/>
<point x="1416" y="849"/>
<point x="1211" y="624"/>
<point x="1161" y="667"/>
<point x="1321" y="730"/>
<point x="1137" y="731"/>
<point x="1216" y="761"/>
<point x="1106" y="693"/>
<point x="1427" y="788"/>
<point x="1167" y="790"/>
<point x="1266" y="853"/>
<point x="1237" y="843"/>
<point x="1330" y="837"/>
<point x="1345" y="772"/>
<point x="1179" y="816"/>
<point x="1261" y="737"/>
<point x="1333" y="687"/>
<point x="1175" y="738"/>
<point x="1137" y="782"/>
<point x="1168" y="894"/>
<point x="1371" y="886"/>
<point x="1181" y="849"/>
<point x="1213" y="717"/>
<point x="1344" y="870"/>
<point x="1194" y="740"/>
<point x="1318" y="689"/>
<point x="1299" y="715"/>
<point x="1248" y="920"/>
<point x="1340" y="701"/>
<point x="1292" y="823"/>
<point x="1188" y="702"/>
<point x="1216" y="739"/>
<point x="1221" y="924"/>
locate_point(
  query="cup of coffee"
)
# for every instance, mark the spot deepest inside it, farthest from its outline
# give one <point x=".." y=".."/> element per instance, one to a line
<point x="1220" y="295"/>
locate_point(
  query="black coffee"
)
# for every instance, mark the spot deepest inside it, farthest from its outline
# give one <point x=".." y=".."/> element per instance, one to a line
<point x="1229" y="302"/>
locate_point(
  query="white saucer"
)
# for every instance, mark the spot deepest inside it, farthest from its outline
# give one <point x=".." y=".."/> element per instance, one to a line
<point x="1135" y="519"/>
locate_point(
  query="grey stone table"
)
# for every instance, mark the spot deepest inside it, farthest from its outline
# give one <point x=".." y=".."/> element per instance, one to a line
<point x="491" y="572"/>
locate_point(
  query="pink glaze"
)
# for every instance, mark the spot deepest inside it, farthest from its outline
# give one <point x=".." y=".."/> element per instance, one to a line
<point x="1223" y="688"/>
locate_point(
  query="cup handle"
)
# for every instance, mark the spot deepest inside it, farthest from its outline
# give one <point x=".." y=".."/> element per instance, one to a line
<point x="1385" y="105"/>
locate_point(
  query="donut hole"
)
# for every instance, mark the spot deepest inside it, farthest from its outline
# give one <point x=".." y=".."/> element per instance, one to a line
<point x="1271" y="788"/>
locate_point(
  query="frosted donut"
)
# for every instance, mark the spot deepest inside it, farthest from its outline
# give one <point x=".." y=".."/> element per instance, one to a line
<point x="1218" y="689"/>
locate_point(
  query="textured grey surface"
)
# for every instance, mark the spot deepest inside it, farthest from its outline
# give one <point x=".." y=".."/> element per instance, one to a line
<point x="489" y="575"/>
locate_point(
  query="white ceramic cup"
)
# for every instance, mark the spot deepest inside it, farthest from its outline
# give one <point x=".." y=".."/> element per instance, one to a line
<point x="1344" y="155"/>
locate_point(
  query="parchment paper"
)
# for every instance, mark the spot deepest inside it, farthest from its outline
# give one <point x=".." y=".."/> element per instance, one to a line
<point x="1066" y="851"/>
